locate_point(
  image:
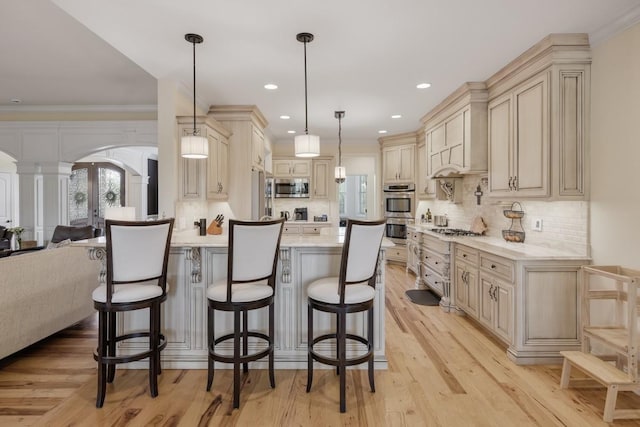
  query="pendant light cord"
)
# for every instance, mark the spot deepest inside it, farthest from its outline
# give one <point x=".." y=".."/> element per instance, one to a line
<point x="339" y="141"/>
<point x="306" y="130"/>
<point x="194" y="88"/>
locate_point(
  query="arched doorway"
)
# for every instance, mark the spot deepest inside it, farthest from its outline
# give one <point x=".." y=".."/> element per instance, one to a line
<point x="92" y="188"/>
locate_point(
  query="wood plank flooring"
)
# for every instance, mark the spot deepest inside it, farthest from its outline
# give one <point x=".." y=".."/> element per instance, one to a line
<point x="443" y="371"/>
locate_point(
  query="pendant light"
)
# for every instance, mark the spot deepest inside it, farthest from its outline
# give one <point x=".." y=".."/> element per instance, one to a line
<point x="341" y="171"/>
<point x="194" y="146"/>
<point x="306" y="145"/>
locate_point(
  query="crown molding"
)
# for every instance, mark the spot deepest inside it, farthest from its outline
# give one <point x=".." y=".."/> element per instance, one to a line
<point x="602" y="34"/>
<point x="79" y="108"/>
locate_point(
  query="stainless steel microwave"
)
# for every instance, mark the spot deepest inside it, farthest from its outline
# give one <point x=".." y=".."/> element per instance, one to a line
<point x="291" y="187"/>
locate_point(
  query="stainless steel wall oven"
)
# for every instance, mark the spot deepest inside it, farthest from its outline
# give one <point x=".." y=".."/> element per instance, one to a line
<point x="399" y="205"/>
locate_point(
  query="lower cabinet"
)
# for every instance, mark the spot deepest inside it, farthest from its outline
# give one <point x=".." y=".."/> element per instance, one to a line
<point x="531" y="304"/>
<point x="314" y="229"/>
<point x="397" y="254"/>
<point x="496" y="306"/>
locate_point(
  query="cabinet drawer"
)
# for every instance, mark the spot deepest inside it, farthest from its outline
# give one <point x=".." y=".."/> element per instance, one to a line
<point x="467" y="254"/>
<point x="397" y="254"/>
<point x="435" y="261"/>
<point x="414" y="235"/>
<point x="501" y="267"/>
<point x="291" y="229"/>
<point x="433" y="280"/>
<point x="310" y="229"/>
<point x="435" y="244"/>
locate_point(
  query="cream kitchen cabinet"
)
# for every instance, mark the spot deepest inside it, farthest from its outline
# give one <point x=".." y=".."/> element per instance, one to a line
<point x="314" y="228"/>
<point x="257" y="149"/>
<point x="496" y="306"/>
<point x="202" y="179"/>
<point x="538" y="118"/>
<point x="217" y="167"/>
<point x="456" y="132"/>
<point x="519" y="140"/>
<point x="291" y="168"/>
<point x="321" y="181"/>
<point x="426" y="187"/>
<point x="466" y="280"/>
<point x="397" y="254"/>
<point x="398" y="157"/>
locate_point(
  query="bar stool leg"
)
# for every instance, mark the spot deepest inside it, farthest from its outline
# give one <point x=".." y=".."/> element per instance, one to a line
<point x="210" y="346"/>
<point x="272" y="378"/>
<point x="153" y="347"/>
<point x="158" y="333"/>
<point x="342" y="355"/>
<point x="309" y="346"/>
<point x="102" y="352"/>
<point x="338" y="342"/>
<point x="370" y="347"/>
<point x="245" y="339"/>
<point x="236" y="358"/>
<point x="111" y="344"/>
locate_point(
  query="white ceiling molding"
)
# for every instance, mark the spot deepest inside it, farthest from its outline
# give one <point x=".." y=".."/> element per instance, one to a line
<point x="614" y="27"/>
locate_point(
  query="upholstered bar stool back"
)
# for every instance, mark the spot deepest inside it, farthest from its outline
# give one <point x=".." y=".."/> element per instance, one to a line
<point x="351" y="292"/>
<point x="137" y="260"/>
<point x="249" y="285"/>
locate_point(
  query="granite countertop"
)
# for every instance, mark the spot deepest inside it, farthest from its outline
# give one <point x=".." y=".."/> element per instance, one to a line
<point x="189" y="238"/>
<point x="497" y="246"/>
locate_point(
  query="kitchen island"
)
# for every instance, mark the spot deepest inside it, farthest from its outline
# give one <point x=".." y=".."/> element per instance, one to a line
<point x="197" y="261"/>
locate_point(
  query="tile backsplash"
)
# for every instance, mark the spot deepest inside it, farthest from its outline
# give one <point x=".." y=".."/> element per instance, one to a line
<point x="564" y="223"/>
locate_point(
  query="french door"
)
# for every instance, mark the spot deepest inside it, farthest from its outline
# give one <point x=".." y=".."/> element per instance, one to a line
<point x="92" y="188"/>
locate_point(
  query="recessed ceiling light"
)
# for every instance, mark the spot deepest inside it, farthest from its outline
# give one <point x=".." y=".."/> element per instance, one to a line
<point x="291" y="131"/>
<point x="16" y="100"/>
<point x="396" y="116"/>
<point x="424" y="85"/>
<point x="271" y="86"/>
<point x="285" y="117"/>
<point x="382" y="131"/>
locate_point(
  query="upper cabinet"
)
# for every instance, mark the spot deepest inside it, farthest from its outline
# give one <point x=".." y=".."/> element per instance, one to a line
<point x="398" y="158"/>
<point x="257" y="148"/>
<point x="538" y="117"/>
<point x="320" y="183"/>
<point x="291" y="168"/>
<point x="246" y="147"/>
<point x="202" y="179"/>
<point x="456" y="133"/>
<point x="425" y="186"/>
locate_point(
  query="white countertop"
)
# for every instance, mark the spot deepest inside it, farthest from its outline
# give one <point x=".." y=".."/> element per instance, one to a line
<point x="511" y="250"/>
<point x="189" y="238"/>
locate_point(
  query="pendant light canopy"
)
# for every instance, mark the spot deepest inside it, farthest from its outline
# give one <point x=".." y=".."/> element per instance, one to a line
<point x="306" y="145"/>
<point x="194" y="146"/>
<point x="341" y="171"/>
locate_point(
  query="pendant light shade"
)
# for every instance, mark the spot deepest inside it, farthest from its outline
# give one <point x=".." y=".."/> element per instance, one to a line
<point x="194" y="146"/>
<point x="306" y="145"/>
<point x="341" y="171"/>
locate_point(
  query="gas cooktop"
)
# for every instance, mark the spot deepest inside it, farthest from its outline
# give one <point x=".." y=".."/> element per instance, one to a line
<point x="454" y="232"/>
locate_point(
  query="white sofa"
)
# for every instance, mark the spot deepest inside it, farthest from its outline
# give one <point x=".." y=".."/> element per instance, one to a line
<point x="43" y="292"/>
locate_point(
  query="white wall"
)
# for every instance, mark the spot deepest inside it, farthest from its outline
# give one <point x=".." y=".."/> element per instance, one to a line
<point x="615" y="150"/>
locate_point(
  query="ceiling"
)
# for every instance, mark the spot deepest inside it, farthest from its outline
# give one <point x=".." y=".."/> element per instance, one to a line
<point x="366" y="59"/>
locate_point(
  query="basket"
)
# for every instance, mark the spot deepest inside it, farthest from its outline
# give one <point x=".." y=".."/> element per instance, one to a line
<point x="513" y="236"/>
<point x="513" y="213"/>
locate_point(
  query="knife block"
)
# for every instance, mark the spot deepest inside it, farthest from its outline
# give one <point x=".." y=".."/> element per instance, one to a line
<point x="214" y="228"/>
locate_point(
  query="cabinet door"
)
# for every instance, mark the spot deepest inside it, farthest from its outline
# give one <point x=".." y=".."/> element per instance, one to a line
<point x="223" y="167"/>
<point x="301" y="168"/>
<point x="426" y="186"/>
<point x="472" y="295"/>
<point x="217" y="169"/>
<point x="390" y="162"/>
<point x="531" y="103"/>
<point x="282" y="168"/>
<point x="503" y="323"/>
<point x="454" y="139"/>
<point x="192" y="172"/>
<point x="485" y="312"/>
<point x="320" y="179"/>
<point x="407" y="168"/>
<point x="500" y="146"/>
<point x="461" y="287"/>
<point x="435" y="147"/>
<point x="257" y="148"/>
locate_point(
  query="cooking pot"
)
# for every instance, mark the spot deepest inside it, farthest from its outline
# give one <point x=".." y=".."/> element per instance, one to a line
<point x="440" y="220"/>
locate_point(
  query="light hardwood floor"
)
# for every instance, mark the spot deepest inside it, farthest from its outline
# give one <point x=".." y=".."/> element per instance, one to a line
<point x="443" y="371"/>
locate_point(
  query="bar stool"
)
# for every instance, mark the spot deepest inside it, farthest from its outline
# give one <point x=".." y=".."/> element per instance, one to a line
<point x="351" y="292"/>
<point x="137" y="259"/>
<point x="249" y="285"/>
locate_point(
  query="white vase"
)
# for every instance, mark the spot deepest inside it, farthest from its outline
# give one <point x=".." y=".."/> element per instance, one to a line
<point x="15" y="244"/>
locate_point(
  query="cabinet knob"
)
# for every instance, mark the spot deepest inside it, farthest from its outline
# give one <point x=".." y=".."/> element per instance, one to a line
<point x="493" y="266"/>
<point x="464" y="255"/>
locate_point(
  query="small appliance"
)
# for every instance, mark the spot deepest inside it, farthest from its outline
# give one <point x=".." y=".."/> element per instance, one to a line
<point x="291" y="187"/>
<point x="300" y="214"/>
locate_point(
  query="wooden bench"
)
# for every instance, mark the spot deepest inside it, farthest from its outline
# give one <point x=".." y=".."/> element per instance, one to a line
<point x="606" y="374"/>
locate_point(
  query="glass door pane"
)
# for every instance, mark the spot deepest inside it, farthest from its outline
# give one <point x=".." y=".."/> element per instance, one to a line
<point x="79" y="197"/>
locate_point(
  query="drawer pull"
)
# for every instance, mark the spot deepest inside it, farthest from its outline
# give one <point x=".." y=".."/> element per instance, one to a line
<point x="464" y="255"/>
<point x="436" y="263"/>
<point x="493" y="266"/>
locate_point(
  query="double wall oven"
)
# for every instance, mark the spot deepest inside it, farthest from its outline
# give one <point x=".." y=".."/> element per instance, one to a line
<point x="399" y="207"/>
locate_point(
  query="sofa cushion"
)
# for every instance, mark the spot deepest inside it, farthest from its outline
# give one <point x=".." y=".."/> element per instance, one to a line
<point x="63" y="232"/>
